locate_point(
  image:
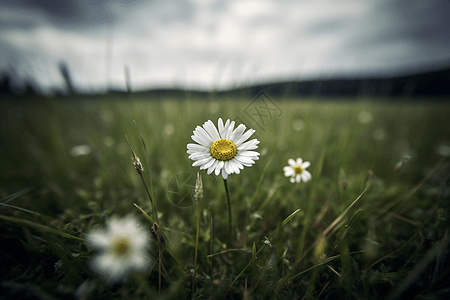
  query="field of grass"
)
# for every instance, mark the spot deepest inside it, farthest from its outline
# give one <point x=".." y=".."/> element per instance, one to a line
<point x="66" y="168"/>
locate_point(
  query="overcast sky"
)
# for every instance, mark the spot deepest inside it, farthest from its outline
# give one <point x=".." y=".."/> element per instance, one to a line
<point x="218" y="44"/>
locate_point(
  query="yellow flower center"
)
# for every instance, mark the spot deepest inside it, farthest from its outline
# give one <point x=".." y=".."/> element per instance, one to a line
<point x="223" y="149"/>
<point x="121" y="247"/>
<point x="298" y="170"/>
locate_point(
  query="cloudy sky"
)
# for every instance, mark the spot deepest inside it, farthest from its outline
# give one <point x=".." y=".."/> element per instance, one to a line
<point x="218" y="44"/>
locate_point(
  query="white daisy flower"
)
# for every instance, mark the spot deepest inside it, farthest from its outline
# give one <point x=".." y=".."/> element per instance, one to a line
<point x="296" y="170"/>
<point x="121" y="249"/>
<point x="223" y="151"/>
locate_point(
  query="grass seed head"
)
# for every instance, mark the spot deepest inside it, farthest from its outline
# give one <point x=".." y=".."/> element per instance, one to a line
<point x="138" y="165"/>
<point x="136" y="161"/>
<point x="198" y="187"/>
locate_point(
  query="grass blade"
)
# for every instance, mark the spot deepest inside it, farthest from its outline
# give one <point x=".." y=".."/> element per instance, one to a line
<point x="285" y="221"/>
<point x="324" y="233"/>
<point x="40" y="227"/>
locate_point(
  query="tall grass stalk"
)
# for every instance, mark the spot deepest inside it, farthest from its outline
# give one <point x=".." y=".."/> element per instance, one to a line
<point x="229" y="213"/>
<point x="198" y="196"/>
<point x="196" y="247"/>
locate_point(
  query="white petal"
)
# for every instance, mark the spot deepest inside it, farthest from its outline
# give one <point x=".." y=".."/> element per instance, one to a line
<point x="204" y="150"/>
<point x="224" y="174"/>
<point x="289" y="172"/>
<point x="292" y="180"/>
<point x="248" y="165"/>
<point x="209" y="164"/>
<point x="228" y="167"/>
<point x="249" y="153"/>
<point x="299" y="161"/>
<point x="212" y="167"/>
<point x="138" y="261"/>
<point x="244" y="137"/>
<point x="305" y="165"/>
<point x="237" y="163"/>
<point x="306" y="176"/>
<point x="206" y="164"/>
<point x="200" y="140"/>
<point x="287" y="168"/>
<point x="234" y="166"/>
<point x="98" y="240"/>
<point x="195" y="151"/>
<point x="197" y="147"/>
<point x="250" y="145"/>
<point x="201" y="132"/>
<point x="298" y="178"/>
<point x="200" y="162"/>
<point x="211" y="130"/>
<point x="237" y="134"/>
<point x="220" y="124"/>
<point x="245" y="161"/>
<point x="219" y="167"/>
<point x="115" y="226"/>
<point x="198" y="156"/>
<point x="229" y="133"/>
<point x="141" y="240"/>
<point x="291" y="162"/>
<point x="224" y="130"/>
<point x="237" y="131"/>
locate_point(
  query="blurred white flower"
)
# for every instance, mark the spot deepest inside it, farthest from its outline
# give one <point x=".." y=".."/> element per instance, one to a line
<point x="169" y="129"/>
<point x="223" y="151"/>
<point x="296" y="170"/>
<point x="80" y="150"/>
<point x="107" y="115"/>
<point x="365" y="117"/>
<point x="121" y="249"/>
<point x="443" y="150"/>
<point x="298" y="124"/>
<point x="108" y="141"/>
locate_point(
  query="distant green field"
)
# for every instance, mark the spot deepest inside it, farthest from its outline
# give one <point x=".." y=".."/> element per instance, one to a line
<point x="65" y="167"/>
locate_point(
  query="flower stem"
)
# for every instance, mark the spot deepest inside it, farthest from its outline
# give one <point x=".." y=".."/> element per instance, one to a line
<point x="196" y="246"/>
<point x="211" y="240"/>
<point x="293" y="192"/>
<point x="159" y="266"/>
<point x="229" y="211"/>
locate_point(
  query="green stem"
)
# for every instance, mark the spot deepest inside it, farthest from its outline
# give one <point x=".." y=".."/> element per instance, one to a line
<point x="211" y="241"/>
<point x="229" y="211"/>
<point x="196" y="246"/>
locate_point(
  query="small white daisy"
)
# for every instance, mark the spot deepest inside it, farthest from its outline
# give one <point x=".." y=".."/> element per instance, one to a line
<point x="121" y="249"/>
<point x="223" y="151"/>
<point x="296" y="170"/>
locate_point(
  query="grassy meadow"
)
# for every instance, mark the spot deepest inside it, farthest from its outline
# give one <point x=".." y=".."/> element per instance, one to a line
<point x="66" y="168"/>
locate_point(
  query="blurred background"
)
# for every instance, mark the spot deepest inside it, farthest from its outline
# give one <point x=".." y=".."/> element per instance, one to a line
<point x="400" y="47"/>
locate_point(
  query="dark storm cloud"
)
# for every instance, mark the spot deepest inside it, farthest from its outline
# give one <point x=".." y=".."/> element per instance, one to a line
<point x="401" y="35"/>
<point x="57" y="9"/>
<point x="419" y="21"/>
<point x="67" y="14"/>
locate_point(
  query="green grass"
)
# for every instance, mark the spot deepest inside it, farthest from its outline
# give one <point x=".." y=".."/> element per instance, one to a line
<point x="289" y="241"/>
